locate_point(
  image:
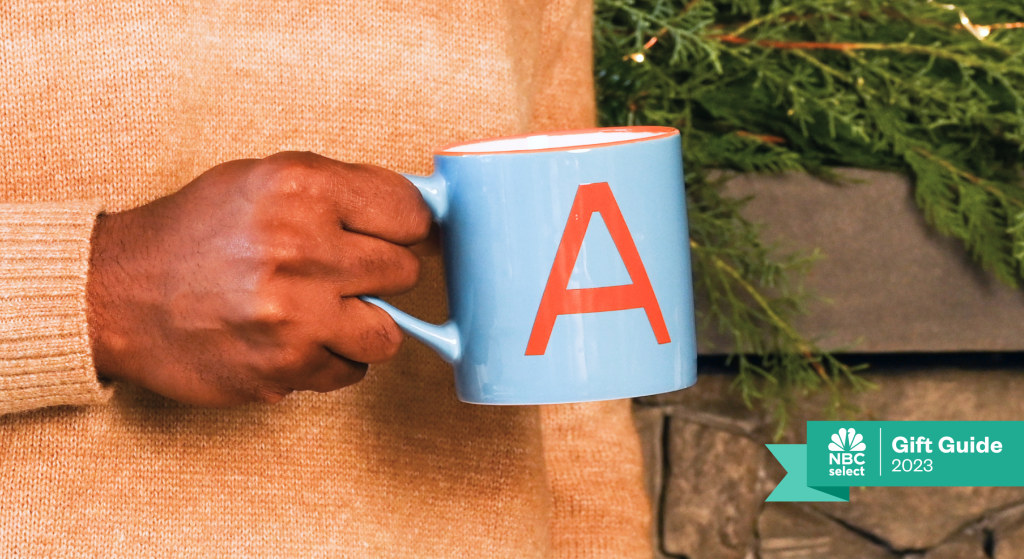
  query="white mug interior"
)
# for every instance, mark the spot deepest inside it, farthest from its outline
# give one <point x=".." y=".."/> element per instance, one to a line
<point x="554" y="141"/>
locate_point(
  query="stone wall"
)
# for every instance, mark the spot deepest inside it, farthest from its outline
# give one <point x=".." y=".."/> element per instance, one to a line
<point x="709" y="472"/>
<point x="943" y="340"/>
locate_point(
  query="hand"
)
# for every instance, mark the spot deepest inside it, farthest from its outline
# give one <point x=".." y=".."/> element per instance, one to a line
<point x="241" y="286"/>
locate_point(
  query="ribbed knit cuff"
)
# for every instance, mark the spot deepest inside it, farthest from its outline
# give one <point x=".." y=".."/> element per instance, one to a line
<point x="45" y="354"/>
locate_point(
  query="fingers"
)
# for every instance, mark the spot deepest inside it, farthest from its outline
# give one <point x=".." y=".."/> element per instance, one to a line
<point x="348" y="263"/>
<point x="351" y="221"/>
<point x="307" y="365"/>
<point x="354" y="334"/>
<point x="377" y="202"/>
<point x="323" y="232"/>
<point x="310" y="365"/>
<point x="334" y="373"/>
<point x="359" y="331"/>
<point x="367" y="199"/>
<point x="370" y="266"/>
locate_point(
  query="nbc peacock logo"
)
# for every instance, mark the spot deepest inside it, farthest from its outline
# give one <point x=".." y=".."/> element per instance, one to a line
<point x="847" y="440"/>
<point x="846" y="453"/>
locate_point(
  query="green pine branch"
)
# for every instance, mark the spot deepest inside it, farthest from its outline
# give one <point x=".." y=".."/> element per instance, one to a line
<point x="929" y="89"/>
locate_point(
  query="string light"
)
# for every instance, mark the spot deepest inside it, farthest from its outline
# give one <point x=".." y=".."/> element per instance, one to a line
<point x="639" y="57"/>
<point x="980" y="32"/>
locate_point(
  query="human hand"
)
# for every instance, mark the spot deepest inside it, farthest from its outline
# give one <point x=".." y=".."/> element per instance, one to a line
<point x="241" y="286"/>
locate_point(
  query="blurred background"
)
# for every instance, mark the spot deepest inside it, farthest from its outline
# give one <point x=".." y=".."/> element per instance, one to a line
<point x="855" y="205"/>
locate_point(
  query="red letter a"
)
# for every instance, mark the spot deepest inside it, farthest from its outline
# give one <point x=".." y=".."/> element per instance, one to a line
<point x="591" y="198"/>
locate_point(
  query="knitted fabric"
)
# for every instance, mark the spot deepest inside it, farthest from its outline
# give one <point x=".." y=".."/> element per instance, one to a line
<point x="108" y="105"/>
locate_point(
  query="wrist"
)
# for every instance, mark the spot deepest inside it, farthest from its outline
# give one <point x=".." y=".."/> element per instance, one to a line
<point x="105" y="265"/>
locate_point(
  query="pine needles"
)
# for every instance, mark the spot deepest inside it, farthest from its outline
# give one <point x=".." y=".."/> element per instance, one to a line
<point x="927" y="88"/>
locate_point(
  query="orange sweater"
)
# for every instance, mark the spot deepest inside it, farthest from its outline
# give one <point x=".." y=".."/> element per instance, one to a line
<point x="107" y="105"/>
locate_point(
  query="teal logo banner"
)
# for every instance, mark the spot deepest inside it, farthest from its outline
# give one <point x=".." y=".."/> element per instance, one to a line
<point x="843" y="454"/>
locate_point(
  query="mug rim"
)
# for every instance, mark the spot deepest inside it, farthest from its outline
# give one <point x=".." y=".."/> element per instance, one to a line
<point x="657" y="133"/>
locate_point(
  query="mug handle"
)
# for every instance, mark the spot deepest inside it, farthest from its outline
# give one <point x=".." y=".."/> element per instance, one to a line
<point x="444" y="339"/>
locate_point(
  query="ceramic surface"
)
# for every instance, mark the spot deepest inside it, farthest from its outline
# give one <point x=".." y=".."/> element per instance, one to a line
<point x="567" y="258"/>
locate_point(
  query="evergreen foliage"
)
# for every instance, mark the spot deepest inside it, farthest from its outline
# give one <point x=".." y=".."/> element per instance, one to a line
<point x="926" y="88"/>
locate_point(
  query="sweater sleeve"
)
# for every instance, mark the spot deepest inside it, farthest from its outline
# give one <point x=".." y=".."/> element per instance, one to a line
<point x="45" y="353"/>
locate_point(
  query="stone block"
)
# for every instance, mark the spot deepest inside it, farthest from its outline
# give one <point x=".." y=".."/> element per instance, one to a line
<point x="793" y="531"/>
<point x="918" y="517"/>
<point x="966" y="546"/>
<point x="717" y="472"/>
<point x="943" y="392"/>
<point x="888" y="282"/>
<point x="712" y="492"/>
<point x="712" y="402"/>
<point x="1006" y="533"/>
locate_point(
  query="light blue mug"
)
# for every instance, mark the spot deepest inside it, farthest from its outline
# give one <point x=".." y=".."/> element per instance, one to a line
<point x="568" y="266"/>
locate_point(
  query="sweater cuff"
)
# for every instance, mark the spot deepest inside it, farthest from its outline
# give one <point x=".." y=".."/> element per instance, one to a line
<point x="45" y="352"/>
